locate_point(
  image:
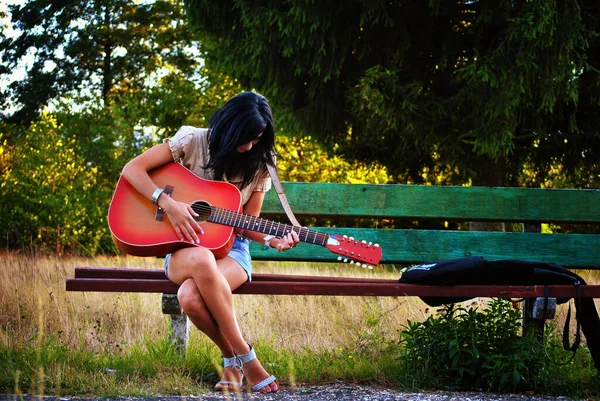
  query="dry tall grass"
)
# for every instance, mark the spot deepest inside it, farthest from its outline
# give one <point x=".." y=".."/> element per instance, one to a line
<point x="33" y="298"/>
<point x="33" y="301"/>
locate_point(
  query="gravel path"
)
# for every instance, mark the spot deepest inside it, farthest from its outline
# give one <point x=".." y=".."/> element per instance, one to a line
<point x="321" y="393"/>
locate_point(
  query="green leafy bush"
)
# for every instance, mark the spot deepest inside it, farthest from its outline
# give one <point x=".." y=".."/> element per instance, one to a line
<point x="471" y="349"/>
<point x="303" y="159"/>
<point x="50" y="197"/>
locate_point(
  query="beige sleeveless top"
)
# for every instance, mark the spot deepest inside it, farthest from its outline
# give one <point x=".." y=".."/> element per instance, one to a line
<point x="189" y="147"/>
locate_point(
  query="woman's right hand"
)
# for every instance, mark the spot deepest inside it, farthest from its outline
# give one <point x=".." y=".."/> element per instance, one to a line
<point x="180" y="214"/>
<point x="182" y="217"/>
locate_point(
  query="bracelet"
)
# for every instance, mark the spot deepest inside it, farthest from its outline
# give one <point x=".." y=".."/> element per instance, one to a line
<point x="156" y="195"/>
<point x="268" y="239"/>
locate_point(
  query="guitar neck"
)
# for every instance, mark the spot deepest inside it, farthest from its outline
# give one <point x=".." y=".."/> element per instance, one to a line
<point x="253" y="223"/>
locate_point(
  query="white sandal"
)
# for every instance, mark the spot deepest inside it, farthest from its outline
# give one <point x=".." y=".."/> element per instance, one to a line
<point x="250" y="356"/>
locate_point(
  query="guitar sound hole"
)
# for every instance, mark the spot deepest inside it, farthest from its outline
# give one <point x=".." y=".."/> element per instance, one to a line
<point x="203" y="209"/>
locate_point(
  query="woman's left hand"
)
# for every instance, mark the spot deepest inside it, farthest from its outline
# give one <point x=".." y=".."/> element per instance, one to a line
<point x="287" y="242"/>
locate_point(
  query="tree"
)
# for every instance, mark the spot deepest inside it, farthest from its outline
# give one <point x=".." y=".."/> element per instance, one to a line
<point x="89" y="50"/>
<point x="50" y="199"/>
<point x="478" y="88"/>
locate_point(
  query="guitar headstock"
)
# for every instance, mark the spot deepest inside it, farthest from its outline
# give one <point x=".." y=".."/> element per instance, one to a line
<point x="354" y="251"/>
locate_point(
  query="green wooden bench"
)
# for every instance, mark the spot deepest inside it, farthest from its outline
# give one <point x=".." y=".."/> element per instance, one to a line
<point x="381" y="206"/>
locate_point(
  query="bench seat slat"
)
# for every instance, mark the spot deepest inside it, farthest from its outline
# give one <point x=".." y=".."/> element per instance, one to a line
<point x="121" y="285"/>
<point x="397" y="289"/>
<point x="156" y="274"/>
<point x="328" y="287"/>
<point x="111" y="272"/>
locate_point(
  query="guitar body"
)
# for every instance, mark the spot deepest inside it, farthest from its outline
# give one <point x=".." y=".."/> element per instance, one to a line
<point x="132" y="217"/>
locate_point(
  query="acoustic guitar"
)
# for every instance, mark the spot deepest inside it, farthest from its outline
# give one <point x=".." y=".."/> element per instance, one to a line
<point x="140" y="228"/>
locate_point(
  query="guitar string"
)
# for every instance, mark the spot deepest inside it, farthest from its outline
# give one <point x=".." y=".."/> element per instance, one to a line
<point x="228" y="217"/>
<point x="255" y="223"/>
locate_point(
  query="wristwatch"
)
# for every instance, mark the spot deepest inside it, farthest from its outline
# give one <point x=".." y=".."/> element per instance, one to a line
<point x="268" y="239"/>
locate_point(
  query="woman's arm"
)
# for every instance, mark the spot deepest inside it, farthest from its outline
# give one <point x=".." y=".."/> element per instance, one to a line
<point x="253" y="207"/>
<point x="180" y="214"/>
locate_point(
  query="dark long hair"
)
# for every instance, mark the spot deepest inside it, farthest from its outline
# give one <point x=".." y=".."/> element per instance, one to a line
<point x="239" y="121"/>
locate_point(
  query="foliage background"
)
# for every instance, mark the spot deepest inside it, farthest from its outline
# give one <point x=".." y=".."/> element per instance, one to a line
<point x="479" y="87"/>
<point x="461" y="93"/>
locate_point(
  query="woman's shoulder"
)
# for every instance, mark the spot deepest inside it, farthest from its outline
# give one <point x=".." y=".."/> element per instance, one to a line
<point x="188" y="134"/>
<point x="188" y="130"/>
<point x="189" y="143"/>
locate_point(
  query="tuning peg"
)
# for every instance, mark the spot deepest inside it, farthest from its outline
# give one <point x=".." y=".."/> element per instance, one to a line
<point x="339" y="258"/>
<point x="345" y="260"/>
<point x="377" y="245"/>
<point x="352" y="262"/>
<point x="370" y="267"/>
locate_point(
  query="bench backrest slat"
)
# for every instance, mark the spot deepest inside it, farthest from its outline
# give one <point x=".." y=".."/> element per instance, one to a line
<point x="415" y="246"/>
<point x="451" y="203"/>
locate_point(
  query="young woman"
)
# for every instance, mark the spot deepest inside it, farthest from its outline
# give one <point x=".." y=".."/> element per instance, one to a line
<point x="236" y="147"/>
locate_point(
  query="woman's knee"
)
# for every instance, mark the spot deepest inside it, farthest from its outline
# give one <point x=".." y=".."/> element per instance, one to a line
<point x="190" y="262"/>
<point x="190" y="299"/>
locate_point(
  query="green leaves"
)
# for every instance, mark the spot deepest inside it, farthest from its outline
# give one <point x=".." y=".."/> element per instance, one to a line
<point x="106" y="48"/>
<point x="468" y="348"/>
<point x="442" y="86"/>
<point x="52" y="200"/>
<point x="301" y="159"/>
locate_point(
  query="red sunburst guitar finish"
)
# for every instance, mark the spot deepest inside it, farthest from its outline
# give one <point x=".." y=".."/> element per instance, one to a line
<point x="137" y="228"/>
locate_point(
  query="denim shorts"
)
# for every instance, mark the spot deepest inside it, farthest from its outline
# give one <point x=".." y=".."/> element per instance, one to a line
<point x="240" y="252"/>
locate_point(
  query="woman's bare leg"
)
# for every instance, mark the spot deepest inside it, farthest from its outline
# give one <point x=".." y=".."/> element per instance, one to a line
<point x="199" y="266"/>
<point x="192" y="304"/>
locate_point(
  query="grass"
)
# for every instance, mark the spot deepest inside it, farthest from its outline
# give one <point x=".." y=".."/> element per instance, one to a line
<point x="69" y="343"/>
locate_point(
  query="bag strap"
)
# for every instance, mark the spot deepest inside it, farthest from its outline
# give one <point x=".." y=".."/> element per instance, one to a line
<point x="281" y="195"/>
<point x="577" y="341"/>
<point x="573" y="348"/>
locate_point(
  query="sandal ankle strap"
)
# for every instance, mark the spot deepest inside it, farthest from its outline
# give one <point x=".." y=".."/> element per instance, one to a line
<point x="250" y="356"/>
<point x="233" y="362"/>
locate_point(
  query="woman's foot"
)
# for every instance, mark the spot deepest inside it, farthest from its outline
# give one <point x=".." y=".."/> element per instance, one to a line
<point x="232" y="377"/>
<point x="256" y="376"/>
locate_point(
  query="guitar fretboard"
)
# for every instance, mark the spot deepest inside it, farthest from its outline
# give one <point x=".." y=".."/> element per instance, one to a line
<point x="248" y="222"/>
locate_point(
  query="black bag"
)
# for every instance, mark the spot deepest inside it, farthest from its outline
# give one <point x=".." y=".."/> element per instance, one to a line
<point x="477" y="271"/>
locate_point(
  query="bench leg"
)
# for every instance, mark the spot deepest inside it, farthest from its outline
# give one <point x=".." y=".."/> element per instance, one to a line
<point x="179" y="334"/>
<point x="533" y="308"/>
<point x="534" y="316"/>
